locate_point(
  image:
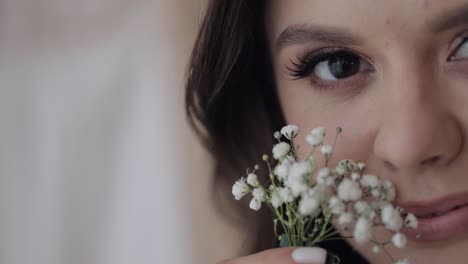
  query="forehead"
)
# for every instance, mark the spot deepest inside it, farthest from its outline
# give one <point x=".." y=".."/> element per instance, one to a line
<point x="363" y="17"/>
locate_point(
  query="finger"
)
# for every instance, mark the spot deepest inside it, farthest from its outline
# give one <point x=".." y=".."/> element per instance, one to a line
<point x="289" y="255"/>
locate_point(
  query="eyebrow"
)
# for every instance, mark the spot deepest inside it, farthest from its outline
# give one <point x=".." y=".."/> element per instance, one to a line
<point x="304" y="33"/>
<point x="450" y="19"/>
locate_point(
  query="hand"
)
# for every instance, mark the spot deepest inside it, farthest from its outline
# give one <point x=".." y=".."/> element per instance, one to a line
<point x="289" y="255"/>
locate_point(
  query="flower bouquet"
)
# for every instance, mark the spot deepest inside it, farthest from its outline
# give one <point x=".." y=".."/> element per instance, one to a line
<point x="313" y="205"/>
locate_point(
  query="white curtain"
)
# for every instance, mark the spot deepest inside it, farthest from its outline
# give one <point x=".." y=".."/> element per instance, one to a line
<point x="97" y="164"/>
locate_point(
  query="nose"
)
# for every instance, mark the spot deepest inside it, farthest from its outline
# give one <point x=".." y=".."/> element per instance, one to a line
<point x="418" y="129"/>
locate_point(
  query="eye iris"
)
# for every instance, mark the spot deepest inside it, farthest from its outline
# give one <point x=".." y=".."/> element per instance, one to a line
<point x="344" y="65"/>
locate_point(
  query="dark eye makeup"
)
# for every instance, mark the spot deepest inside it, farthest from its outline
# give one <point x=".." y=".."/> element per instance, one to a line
<point x="329" y="67"/>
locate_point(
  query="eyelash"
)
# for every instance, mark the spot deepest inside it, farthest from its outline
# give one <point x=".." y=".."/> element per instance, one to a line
<point x="305" y="65"/>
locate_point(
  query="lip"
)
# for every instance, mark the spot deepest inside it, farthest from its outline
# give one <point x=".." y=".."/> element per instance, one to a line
<point x="451" y="219"/>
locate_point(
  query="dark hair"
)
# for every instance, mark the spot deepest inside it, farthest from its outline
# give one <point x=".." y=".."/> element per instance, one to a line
<point x="231" y="102"/>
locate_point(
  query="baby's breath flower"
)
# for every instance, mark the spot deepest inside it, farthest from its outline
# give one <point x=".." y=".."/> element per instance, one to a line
<point x="308" y="205"/>
<point x="277" y="135"/>
<point x="399" y="240"/>
<point x="297" y="177"/>
<point x="326" y="150"/>
<point x="376" y="193"/>
<point x="361" y="206"/>
<point x="391" y="218"/>
<point x="336" y="205"/>
<point x="363" y="230"/>
<point x="376" y="248"/>
<point x="280" y="150"/>
<point x="252" y="179"/>
<point x="324" y="177"/>
<point x="286" y="195"/>
<point x="282" y="170"/>
<point x="314" y="140"/>
<point x="319" y="131"/>
<point x="369" y="180"/>
<point x="240" y="188"/>
<point x="361" y="166"/>
<point x="411" y="221"/>
<point x="345" y="218"/>
<point x="259" y="194"/>
<point x="349" y="190"/>
<point x="276" y="199"/>
<point x="355" y="176"/>
<point x="289" y="131"/>
<point x="389" y="190"/>
<point x="255" y="204"/>
<point x="348" y="165"/>
<point x="338" y="195"/>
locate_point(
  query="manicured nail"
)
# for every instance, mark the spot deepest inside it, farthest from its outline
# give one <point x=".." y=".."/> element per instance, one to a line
<point x="309" y="255"/>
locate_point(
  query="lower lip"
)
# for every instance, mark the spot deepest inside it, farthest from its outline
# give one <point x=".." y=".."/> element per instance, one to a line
<point x="443" y="227"/>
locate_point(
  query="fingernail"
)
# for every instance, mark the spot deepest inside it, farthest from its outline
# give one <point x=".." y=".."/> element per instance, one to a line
<point x="309" y="255"/>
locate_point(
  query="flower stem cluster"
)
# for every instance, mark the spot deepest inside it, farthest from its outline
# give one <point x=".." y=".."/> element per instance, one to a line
<point x="312" y="205"/>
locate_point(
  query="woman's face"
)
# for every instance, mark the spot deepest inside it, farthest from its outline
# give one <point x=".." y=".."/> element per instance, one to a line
<point x="394" y="76"/>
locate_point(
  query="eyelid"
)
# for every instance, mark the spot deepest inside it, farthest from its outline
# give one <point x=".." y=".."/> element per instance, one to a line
<point x="460" y="40"/>
<point x="308" y="61"/>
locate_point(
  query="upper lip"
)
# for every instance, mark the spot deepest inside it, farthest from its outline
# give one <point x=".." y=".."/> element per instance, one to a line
<point x="435" y="206"/>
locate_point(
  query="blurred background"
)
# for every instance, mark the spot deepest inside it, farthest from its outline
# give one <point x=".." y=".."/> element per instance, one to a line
<point x="97" y="163"/>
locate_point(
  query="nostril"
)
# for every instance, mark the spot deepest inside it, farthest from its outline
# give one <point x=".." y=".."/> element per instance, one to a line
<point x="431" y="160"/>
<point x="389" y="165"/>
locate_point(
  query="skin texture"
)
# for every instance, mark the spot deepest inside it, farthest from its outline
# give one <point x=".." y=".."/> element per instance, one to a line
<point x="406" y="117"/>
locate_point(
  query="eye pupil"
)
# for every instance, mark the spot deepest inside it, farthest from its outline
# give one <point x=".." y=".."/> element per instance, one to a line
<point x="344" y="65"/>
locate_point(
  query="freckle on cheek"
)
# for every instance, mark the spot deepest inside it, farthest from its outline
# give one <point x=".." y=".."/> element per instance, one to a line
<point x="387" y="22"/>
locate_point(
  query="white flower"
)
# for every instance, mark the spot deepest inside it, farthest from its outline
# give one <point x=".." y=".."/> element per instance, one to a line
<point x="240" y="188"/>
<point x="361" y="166"/>
<point x="298" y="188"/>
<point x="297" y="177"/>
<point x="324" y="177"/>
<point x="280" y="150"/>
<point x="282" y="170"/>
<point x="259" y="194"/>
<point x="369" y="180"/>
<point x="376" y="248"/>
<point x="314" y="140"/>
<point x="255" y="204"/>
<point x="340" y="169"/>
<point x="355" y="176"/>
<point x="289" y="131"/>
<point x="389" y="190"/>
<point x="345" y="218"/>
<point x="403" y="261"/>
<point x="326" y="150"/>
<point x="399" y="240"/>
<point x="376" y="192"/>
<point x="411" y="221"/>
<point x="361" y="207"/>
<point x="286" y="194"/>
<point x="362" y="230"/>
<point x="252" y="179"/>
<point x="391" y="218"/>
<point x="308" y="205"/>
<point x="336" y="205"/>
<point x="349" y="190"/>
<point x="276" y="200"/>
<point x="347" y="164"/>
<point x="320" y="131"/>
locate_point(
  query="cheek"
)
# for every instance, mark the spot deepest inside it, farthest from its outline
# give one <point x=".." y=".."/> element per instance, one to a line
<point x="309" y="109"/>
